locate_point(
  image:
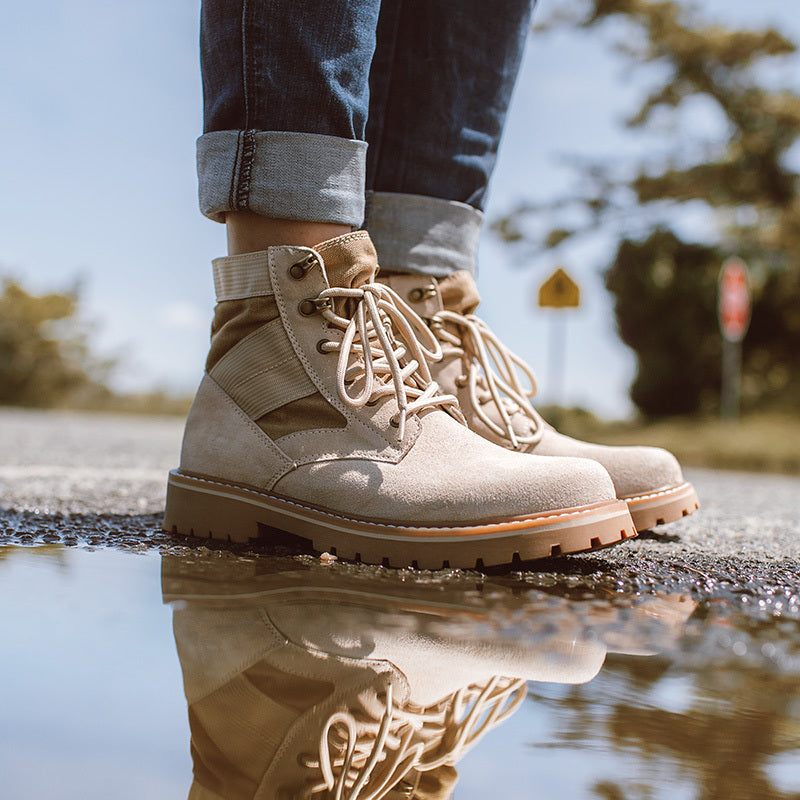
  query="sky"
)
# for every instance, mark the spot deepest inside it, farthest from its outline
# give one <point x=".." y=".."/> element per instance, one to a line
<point x="101" y="106"/>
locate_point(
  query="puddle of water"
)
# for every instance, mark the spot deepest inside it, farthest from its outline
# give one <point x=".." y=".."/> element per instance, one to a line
<point x="289" y="675"/>
<point x="91" y="704"/>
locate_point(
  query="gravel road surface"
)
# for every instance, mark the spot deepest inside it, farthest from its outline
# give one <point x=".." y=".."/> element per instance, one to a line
<point x="98" y="480"/>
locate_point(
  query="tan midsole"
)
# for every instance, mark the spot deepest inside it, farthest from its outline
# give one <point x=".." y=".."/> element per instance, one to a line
<point x="664" y="506"/>
<point x="543" y="522"/>
<point x="660" y="497"/>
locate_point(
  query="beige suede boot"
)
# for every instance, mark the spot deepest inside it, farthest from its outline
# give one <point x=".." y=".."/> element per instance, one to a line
<point x="318" y="416"/>
<point x="485" y="376"/>
<point x="304" y="682"/>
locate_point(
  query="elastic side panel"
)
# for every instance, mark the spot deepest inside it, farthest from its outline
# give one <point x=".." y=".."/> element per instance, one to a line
<point x="262" y="372"/>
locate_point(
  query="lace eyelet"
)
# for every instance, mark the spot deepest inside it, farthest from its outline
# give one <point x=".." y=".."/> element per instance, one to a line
<point x="405" y="790"/>
<point x="421" y="293"/>
<point x="321" y="346"/>
<point x="394" y="422"/>
<point x="372" y="403"/>
<point x="307" y="308"/>
<point x="311" y="305"/>
<point x="298" y="270"/>
<point x="461" y="381"/>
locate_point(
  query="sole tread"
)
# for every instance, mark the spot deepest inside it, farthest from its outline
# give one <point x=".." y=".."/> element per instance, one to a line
<point x="245" y="515"/>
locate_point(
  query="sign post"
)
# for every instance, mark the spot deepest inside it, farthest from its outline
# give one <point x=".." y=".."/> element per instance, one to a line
<point x="733" y="310"/>
<point x="558" y="292"/>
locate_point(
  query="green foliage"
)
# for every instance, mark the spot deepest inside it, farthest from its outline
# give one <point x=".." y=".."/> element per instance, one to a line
<point x="771" y="375"/>
<point x="664" y="301"/>
<point x="665" y="288"/>
<point x="43" y="356"/>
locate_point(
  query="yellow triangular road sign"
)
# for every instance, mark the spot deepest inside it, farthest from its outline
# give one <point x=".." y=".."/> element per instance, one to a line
<point x="559" y="291"/>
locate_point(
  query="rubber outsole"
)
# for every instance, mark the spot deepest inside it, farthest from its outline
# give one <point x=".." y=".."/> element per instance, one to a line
<point x="207" y="508"/>
<point x="663" y="506"/>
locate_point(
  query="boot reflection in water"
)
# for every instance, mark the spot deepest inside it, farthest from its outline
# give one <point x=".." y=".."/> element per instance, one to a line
<point x="308" y="683"/>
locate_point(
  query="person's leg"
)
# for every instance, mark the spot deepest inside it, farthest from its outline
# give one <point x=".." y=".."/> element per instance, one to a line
<point x="440" y="83"/>
<point x="285" y="90"/>
<point x="282" y="157"/>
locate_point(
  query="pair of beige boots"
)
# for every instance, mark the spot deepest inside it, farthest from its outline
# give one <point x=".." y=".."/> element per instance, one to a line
<point x="383" y="422"/>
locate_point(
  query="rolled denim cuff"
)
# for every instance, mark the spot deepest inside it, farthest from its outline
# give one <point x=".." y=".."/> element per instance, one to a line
<point x="297" y="176"/>
<point x="427" y="235"/>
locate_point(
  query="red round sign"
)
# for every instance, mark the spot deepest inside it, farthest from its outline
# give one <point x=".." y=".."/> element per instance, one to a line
<point x="733" y="300"/>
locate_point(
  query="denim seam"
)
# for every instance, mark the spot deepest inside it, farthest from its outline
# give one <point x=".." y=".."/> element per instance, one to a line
<point x="235" y="174"/>
<point x="245" y="170"/>
<point x="244" y="66"/>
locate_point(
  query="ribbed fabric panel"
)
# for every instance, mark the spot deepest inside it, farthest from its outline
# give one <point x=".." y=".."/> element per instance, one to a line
<point x="242" y="276"/>
<point x="262" y="372"/>
<point x="238" y="729"/>
<point x="236" y="732"/>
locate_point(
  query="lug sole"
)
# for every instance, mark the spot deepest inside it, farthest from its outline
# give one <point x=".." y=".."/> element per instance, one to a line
<point x="663" y="506"/>
<point x="207" y="508"/>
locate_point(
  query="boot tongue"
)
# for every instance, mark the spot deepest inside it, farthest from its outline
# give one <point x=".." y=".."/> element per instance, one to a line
<point x="350" y="260"/>
<point x="459" y="292"/>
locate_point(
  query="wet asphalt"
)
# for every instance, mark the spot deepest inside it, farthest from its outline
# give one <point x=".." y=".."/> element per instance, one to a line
<point x="98" y="481"/>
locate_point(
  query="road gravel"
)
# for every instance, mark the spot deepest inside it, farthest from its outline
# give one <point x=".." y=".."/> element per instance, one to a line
<point x="98" y="480"/>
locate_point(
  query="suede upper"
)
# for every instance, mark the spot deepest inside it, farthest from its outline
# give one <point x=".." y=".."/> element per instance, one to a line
<point x="436" y="473"/>
<point x="635" y="471"/>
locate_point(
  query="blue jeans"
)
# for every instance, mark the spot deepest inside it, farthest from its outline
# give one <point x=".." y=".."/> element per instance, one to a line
<point x="295" y="89"/>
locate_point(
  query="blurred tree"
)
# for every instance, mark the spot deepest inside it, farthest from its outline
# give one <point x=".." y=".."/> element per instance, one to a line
<point x="664" y="287"/>
<point x="678" y="370"/>
<point x="44" y="360"/>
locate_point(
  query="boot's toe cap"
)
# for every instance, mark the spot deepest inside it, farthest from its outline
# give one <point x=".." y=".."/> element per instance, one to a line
<point x="634" y="470"/>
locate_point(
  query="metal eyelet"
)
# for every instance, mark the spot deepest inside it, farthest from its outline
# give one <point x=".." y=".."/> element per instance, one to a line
<point x="298" y="271"/>
<point x="307" y="308"/>
<point x="406" y="789"/>
<point x="422" y="293"/>
<point x="394" y="422"/>
<point x="311" y="305"/>
<point x="321" y="346"/>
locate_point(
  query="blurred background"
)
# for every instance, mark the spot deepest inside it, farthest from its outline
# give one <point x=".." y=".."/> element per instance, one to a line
<point x="647" y="141"/>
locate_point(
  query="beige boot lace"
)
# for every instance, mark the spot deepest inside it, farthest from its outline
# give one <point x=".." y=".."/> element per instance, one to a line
<point x="387" y="347"/>
<point x="364" y="759"/>
<point x="470" y="714"/>
<point x="491" y="375"/>
<point x="354" y="753"/>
